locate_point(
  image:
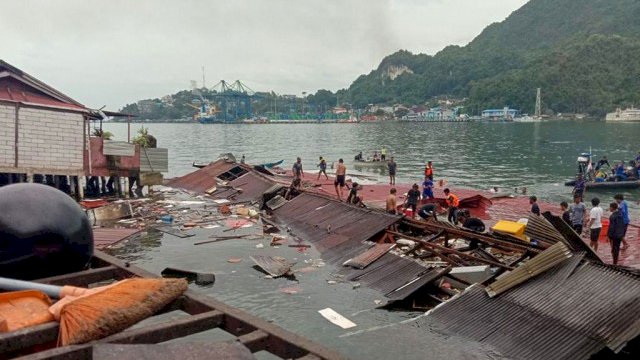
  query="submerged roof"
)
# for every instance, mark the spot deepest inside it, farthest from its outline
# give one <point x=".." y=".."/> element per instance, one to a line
<point x="20" y="87"/>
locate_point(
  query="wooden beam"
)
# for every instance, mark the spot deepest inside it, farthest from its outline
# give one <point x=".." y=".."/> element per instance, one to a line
<point x="443" y="249"/>
<point x="25" y="338"/>
<point x="169" y="330"/>
<point x="255" y="340"/>
<point x="86" y="277"/>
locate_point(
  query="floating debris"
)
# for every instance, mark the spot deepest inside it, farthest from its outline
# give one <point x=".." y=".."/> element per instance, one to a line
<point x="272" y="265"/>
<point x="336" y="318"/>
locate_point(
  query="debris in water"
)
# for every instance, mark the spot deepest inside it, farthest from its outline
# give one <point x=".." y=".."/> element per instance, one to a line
<point x="234" y="260"/>
<point x="336" y="318"/>
<point x="273" y="265"/>
<point x="259" y="246"/>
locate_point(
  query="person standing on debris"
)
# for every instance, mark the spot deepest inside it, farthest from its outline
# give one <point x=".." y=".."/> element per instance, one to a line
<point x="624" y="210"/>
<point x="383" y="154"/>
<point x="413" y="197"/>
<point x="452" y="202"/>
<point x="534" y="205"/>
<point x="341" y="173"/>
<point x="427" y="188"/>
<point x="616" y="231"/>
<point x="428" y="171"/>
<point x="323" y="168"/>
<point x="298" y="173"/>
<point x="577" y="211"/>
<point x="392" y="202"/>
<point x="392" y="166"/>
<point x="564" y="207"/>
<point x="242" y="159"/>
<point x="595" y="223"/>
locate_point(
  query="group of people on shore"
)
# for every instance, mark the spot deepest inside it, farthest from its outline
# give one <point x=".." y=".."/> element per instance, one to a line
<point x="578" y="217"/>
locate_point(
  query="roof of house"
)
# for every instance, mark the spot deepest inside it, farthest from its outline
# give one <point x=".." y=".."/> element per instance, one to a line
<point x="20" y="87"/>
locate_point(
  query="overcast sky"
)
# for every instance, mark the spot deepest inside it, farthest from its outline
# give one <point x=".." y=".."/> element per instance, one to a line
<point x="116" y="52"/>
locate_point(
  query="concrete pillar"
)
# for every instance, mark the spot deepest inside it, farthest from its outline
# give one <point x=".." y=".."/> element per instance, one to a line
<point x="80" y="182"/>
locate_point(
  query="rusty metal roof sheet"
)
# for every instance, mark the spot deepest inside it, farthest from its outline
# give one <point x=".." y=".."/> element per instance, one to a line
<point x="396" y="277"/>
<point x="251" y="184"/>
<point x="335" y="228"/>
<point x="203" y="179"/>
<point x="340" y="231"/>
<point x="570" y="312"/>
<point x="105" y="237"/>
<point x="372" y="254"/>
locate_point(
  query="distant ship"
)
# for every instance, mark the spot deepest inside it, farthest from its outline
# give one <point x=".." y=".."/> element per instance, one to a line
<point x="629" y="114"/>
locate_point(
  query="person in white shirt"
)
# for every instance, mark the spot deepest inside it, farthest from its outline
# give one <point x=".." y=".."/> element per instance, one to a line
<point x="595" y="223"/>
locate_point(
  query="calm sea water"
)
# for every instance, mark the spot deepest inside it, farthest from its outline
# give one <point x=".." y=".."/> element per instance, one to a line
<point x="478" y="155"/>
<point x="540" y="156"/>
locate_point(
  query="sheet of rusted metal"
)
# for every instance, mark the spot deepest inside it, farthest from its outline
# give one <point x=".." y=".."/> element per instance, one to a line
<point x="203" y="179"/>
<point x="337" y="229"/>
<point x="572" y="311"/>
<point x="366" y="258"/>
<point x="199" y="313"/>
<point x="105" y="237"/>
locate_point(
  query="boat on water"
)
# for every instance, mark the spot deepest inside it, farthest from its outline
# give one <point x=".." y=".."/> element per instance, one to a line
<point x="370" y="164"/>
<point x="628" y="115"/>
<point x="527" y="119"/>
<point x="609" y="183"/>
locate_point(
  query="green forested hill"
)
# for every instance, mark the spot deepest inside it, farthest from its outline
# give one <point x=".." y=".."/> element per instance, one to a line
<point x="582" y="53"/>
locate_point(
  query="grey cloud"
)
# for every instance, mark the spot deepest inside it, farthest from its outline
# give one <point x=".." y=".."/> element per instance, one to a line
<point x="115" y="52"/>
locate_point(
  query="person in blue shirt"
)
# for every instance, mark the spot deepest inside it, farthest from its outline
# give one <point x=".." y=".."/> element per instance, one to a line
<point x="624" y="211"/>
<point x="323" y="168"/>
<point x="427" y="189"/>
<point x="620" y="173"/>
<point x="616" y="230"/>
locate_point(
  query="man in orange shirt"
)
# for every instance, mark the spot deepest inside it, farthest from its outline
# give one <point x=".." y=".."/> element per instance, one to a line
<point x="452" y="203"/>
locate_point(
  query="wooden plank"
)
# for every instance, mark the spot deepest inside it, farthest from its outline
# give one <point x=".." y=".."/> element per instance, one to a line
<point x="86" y="277"/>
<point x="25" y="338"/>
<point x="169" y="330"/>
<point x="72" y="352"/>
<point x="255" y="340"/>
<point x="118" y="148"/>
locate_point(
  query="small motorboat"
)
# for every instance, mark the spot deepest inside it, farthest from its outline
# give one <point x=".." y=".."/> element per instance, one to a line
<point x="370" y="164"/>
<point x="610" y="183"/>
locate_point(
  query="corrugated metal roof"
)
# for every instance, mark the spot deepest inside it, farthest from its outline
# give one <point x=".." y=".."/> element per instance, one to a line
<point x="203" y="179"/>
<point x="540" y="229"/>
<point x="340" y="231"/>
<point x="252" y="185"/>
<point x="335" y="228"/>
<point x="539" y="264"/>
<point x="366" y="258"/>
<point x="105" y="237"/>
<point x="570" y="312"/>
<point x="574" y="240"/>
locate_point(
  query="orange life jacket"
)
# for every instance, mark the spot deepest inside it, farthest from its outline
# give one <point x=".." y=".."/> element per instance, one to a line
<point x="428" y="171"/>
<point x="452" y="200"/>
